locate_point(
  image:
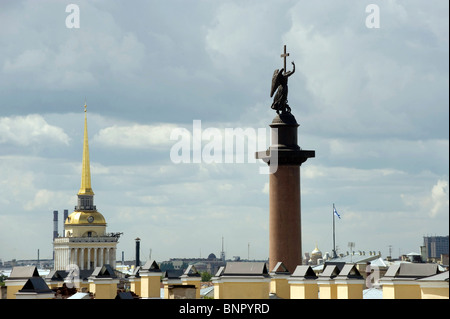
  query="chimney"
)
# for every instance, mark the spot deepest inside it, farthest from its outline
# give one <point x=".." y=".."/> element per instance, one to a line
<point x="138" y="244"/>
<point x="55" y="224"/>
<point x="66" y="214"/>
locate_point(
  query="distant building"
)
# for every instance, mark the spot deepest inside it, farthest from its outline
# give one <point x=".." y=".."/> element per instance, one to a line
<point x="435" y="246"/>
<point x="85" y="242"/>
<point x="210" y="264"/>
<point x="316" y="257"/>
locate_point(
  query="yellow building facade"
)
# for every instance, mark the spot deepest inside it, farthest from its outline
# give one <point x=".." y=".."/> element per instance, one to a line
<point x="17" y="279"/>
<point x="349" y="283"/>
<point x="279" y="284"/>
<point x="150" y="280"/>
<point x="401" y="281"/>
<point x="242" y="280"/>
<point x="303" y="283"/>
<point x="103" y="283"/>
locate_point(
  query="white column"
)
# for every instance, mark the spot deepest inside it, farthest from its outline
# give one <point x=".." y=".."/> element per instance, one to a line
<point x="82" y="258"/>
<point x="102" y="261"/>
<point x="107" y="258"/>
<point x="89" y="258"/>
<point x="95" y="257"/>
<point x="113" y="263"/>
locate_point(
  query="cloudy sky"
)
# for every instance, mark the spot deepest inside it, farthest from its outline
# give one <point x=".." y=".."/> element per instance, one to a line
<point x="372" y="102"/>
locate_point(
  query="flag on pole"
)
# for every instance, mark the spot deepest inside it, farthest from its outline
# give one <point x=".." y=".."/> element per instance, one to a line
<point x="336" y="213"/>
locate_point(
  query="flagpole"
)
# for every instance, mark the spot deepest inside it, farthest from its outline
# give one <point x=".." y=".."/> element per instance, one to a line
<point x="334" y="237"/>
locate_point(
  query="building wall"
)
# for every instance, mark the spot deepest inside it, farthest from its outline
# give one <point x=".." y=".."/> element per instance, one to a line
<point x="104" y="289"/>
<point x="328" y="290"/>
<point x="434" y="293"/>
<point x="150" y="286"/>
<point x="280" y="287"/>
<point x="349" y="289"/>
<point x="401" y="291"/>
<point x="305" y="290"/>
<point x="13" y="286"/>
<point x="193" y="281"/>
<point x="245" y="290"/>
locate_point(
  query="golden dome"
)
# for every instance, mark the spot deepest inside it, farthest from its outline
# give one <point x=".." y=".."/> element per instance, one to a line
<point x="86" y="218"/>
<point x="316" y="252"/>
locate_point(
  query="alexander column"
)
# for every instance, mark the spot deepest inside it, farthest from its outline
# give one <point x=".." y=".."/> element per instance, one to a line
<point x="284" y="158"/>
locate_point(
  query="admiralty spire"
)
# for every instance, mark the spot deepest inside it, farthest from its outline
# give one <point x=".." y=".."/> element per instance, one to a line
<point x="85" y="243"/>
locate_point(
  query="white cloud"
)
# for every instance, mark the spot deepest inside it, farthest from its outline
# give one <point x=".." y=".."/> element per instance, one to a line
<point x="48" y="55"/>
<point x="136" y="136"/>
<point x="27" y="60"/>
<point x="239" y="34"/>
<point x="439" y="199"/>
<point x="29" y="130"/>
<point x="45" y="199"/>
<point x="434" y="203"/>
<point x="368" y="82"/>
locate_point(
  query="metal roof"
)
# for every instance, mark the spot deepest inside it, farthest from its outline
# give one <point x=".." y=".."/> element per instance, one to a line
<point x="411" y="270"/>
<point x="206" y="291"/>
<point x="124" y="295"/>
<point x="330" y="271"/>
<point x="80" y="295"/>
<point x="104" y="271"/>
<point x="304" y="271"/>
<point x="355" y="258"/>
<point x="22" y="272"/>
<point x="280" y="269"/>
<point x="173" y="273"/>
<point x="56" y="275"/>
<point x="439" y="277"/>
<point x="372" y="293"/>
<point x="191" y="271"/>
<point x="135" y="272"/>
<point x="245" y="269"/>
<point x="36" y="285"/>
<point x="219" y="271"/>
<point x="151" y="265"/>
<point x="349" y="271"/>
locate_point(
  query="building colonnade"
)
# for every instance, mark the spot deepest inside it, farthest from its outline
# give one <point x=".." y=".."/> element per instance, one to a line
<point x="85" y="257"/>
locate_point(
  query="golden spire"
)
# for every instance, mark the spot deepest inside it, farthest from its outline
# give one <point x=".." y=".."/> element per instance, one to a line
<point x="85" y="188"/>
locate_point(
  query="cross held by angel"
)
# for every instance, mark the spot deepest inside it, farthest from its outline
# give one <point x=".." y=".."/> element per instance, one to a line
<point x="279" y="85"/>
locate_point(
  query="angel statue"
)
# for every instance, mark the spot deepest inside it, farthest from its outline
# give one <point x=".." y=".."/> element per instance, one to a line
<point x="279" y="84"/>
